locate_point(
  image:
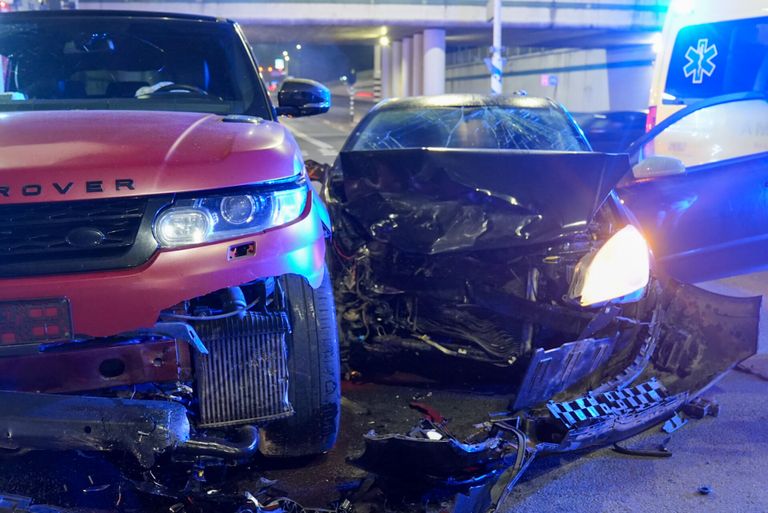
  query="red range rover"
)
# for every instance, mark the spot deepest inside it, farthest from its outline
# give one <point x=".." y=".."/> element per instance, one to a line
<point x="162" y="277"/>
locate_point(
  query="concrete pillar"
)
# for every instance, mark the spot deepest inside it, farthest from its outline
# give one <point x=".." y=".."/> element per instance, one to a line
<point x="386" y="71"/>
<point x="434" y="61"/>
<point x="397" y="67"/>
<point x="407" y="67"/>
<point x="377" y="72"/>
<point x="417" y="75"/>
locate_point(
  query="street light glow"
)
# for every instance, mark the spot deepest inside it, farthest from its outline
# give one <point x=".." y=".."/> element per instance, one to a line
<point x="298" y="46"/>
<point x="384" y="41"/>
<point x="285" y="52"/>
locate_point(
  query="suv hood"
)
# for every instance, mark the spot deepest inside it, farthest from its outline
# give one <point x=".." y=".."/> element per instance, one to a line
<point x="441" y="200"/>
<point x="69" y="155"/>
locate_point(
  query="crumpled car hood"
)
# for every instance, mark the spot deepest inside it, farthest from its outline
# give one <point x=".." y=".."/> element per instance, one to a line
<point x="160" y="152"/>
<point x="441" y="200"/>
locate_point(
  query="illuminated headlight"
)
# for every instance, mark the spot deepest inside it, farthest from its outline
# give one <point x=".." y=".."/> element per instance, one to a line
<point x="218" y="216"/>
<point x="618" y="271"/>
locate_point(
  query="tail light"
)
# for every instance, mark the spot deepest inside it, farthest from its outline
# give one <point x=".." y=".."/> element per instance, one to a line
<point x="650" y="118"/>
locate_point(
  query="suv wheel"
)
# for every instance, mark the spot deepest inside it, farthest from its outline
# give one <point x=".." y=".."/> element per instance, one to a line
<point x="313" y="369"/>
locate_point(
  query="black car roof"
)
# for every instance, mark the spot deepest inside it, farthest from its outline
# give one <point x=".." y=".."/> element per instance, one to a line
<point x="468" y="100"/>
<point x="94" y="13"/>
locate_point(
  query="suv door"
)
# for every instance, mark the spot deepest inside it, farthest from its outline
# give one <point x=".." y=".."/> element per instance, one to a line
<point x="708" y="219"/>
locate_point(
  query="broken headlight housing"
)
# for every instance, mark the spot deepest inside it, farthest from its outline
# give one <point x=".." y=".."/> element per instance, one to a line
<point x="618" y="271"/>
<point x="224" y="215"/>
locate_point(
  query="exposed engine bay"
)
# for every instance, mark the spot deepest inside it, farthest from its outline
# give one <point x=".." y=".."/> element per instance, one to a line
<point x="451" y="262"/>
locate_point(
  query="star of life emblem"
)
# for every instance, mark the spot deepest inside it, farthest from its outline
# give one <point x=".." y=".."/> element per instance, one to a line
<point x="700" y="61"/>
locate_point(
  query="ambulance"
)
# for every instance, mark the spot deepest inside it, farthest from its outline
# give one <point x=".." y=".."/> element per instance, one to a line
<point x="709" y="48"/>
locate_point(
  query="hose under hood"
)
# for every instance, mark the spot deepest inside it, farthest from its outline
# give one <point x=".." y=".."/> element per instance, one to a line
<point x="242" y="447"/>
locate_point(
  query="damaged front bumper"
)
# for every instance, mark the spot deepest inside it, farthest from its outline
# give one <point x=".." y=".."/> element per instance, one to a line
<point x="142" y="428"/>
<point x="175" y="374"/>
<point x="579" y="396"/>
<point x="62" y="422"/>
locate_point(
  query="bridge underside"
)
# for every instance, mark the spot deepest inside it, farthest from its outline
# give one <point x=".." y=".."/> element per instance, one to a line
<point x="596" y="53"/>
<point x="526" y="22"/>
<point x="479" y="35"/>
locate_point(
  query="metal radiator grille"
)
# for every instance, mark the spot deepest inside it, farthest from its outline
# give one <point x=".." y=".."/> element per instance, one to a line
<point x="244" y="378"/>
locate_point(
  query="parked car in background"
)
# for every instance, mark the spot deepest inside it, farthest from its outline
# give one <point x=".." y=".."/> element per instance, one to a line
<point x="162" y="276"/>
<point x="483" y="229"/>
<point x="612" y="132"/>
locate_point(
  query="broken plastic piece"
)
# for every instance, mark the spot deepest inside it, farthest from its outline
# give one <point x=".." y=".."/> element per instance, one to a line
<point x="554" y="370"/>
<point x="662" y="452"/>
<point x="700" y="408"/>
<point x="674" y="424"/>
<point x="419" y="457"/>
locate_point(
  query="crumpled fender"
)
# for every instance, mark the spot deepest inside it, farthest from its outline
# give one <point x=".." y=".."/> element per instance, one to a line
<point x="704" y="334"/>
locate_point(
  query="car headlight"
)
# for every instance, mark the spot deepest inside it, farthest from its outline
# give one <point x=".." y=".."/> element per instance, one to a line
<point x="618" y="271"/>
<point x="225" y="215"/>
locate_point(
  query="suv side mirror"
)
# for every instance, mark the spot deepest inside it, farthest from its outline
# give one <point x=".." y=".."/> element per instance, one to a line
<point x="656" y="166"/>
<point x="301" y="97"/>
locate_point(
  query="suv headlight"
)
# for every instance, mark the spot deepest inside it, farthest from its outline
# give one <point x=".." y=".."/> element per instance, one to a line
<point x="618" y="271"/>
<point x="223" y="215"/>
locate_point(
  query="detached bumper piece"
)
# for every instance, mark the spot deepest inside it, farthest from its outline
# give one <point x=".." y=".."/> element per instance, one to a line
<point x="429" y="464"/>
<point x="480" y="476"/>
<point x="429" y="455"/>
<point x="601" y="419"/>
<point x="60" y="422"/>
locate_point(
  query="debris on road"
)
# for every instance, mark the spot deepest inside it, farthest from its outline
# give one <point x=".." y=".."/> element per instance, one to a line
<point x="674" y="424"/>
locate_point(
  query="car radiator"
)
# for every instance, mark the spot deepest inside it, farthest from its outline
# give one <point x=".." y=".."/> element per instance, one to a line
<point x="244" y="377"/>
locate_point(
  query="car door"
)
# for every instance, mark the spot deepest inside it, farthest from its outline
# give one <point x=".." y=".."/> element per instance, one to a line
<point x="708" y="218"/>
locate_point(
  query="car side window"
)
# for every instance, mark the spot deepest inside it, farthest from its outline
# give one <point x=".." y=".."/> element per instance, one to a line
<point x="713" y="134"/>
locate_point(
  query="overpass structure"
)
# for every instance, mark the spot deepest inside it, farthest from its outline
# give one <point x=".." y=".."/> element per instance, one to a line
<point x="409" y="37"/>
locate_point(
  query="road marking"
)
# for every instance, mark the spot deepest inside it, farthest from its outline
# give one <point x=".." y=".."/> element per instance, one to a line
<point x="325" y="149"/>
<point x="335" y="125"/>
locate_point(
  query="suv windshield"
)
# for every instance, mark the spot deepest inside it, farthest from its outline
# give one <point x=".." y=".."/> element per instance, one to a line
<point x="114" y="62"/>
<point x="493" y="127"/>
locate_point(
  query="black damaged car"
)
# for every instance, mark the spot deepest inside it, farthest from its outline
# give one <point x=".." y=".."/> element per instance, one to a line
<point x="485" y="229"/>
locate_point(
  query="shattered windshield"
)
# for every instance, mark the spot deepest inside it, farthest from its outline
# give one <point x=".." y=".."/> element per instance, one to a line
<point x="490" y="127"/>
<point x="128" y="64"/>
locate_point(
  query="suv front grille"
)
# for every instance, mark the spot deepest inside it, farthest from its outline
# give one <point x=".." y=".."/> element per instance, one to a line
<point x="36" y="229"/>
<point x="72" y="236"/>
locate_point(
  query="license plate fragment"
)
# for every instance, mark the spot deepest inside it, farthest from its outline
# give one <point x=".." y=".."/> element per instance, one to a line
<point x="32" y="321"/>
